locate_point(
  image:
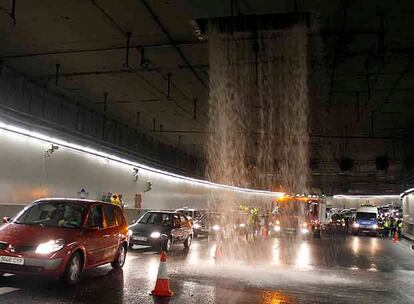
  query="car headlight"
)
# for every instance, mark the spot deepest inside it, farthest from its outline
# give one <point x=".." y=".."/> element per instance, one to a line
<point x="277" y="222"/>
<point x="304" y="230"/>
<point x="130" y="232"/>
<point x="216" y="227"/>
<point x="196" y="226"/>
<point x="242" y="225"/>
<point x="276" y="228"/>
<point x="155" y="235"/>
<point x="356" y="225"/>
<point x="50" y="246"/>
<point x="375" y="226"/>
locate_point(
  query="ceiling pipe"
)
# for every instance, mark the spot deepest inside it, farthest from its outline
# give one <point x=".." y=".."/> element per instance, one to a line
<point x="172" y="42"/>
<point x="103" y="49"/>
<point x="11" y="14"/>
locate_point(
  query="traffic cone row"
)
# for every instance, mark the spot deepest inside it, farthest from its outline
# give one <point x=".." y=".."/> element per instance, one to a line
<point x="162" y="286"/>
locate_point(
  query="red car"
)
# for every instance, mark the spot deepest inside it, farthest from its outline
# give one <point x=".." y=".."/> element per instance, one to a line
<point x="63" y="237"/>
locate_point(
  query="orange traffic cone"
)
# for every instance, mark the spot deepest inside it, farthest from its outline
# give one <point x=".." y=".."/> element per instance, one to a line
<point x="162" y="286"/>
<point x="396" y="237"/>
<point x="219" y="254"/>
<point x="265" y="232"/>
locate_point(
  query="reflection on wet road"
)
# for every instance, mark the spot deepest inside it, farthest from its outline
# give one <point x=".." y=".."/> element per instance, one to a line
<point x="343" y="270"/>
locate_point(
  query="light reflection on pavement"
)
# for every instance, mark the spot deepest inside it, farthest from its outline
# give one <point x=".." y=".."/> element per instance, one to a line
<point x="343" y="270"/>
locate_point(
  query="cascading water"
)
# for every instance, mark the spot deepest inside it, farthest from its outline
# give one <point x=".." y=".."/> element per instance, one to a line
<point x="258" y="116"/>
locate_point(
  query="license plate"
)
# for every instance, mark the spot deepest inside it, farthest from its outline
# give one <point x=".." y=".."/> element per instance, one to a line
<point x="140" y="238"/>
<point x="11" y="260"/>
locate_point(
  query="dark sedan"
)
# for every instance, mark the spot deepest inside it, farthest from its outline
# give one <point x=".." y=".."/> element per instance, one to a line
<point x="160" y="230"/>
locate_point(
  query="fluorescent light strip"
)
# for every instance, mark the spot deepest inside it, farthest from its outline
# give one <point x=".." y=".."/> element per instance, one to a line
<point x="338" y="196"/>
<point x="88" y="150"/>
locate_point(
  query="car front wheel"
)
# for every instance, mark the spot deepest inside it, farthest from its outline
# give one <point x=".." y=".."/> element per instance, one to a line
<point x="121" y="257"/>
<point x="167" y="245"/>
<point x="187" y="242"/>
<point x="73" y="269"/>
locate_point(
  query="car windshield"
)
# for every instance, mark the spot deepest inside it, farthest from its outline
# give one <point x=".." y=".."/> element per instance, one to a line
<point x="156" y="218"/>
<point x="53" y="214"/>
<point x="185" y="212"/>
<point x="366" y="216"/>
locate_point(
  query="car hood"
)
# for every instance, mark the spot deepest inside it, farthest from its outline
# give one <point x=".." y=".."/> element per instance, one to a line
<point x="146" y="229"/>
<point x="19" y="234"/>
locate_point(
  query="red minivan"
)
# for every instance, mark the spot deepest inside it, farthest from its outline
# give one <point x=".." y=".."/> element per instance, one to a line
<point x="63" y="237"/>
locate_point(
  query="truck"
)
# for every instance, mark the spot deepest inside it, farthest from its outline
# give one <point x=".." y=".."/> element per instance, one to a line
<point x="298" y="215"/>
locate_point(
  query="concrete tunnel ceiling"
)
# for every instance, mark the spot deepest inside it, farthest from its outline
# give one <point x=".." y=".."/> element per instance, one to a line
<point x="360" y="82"/>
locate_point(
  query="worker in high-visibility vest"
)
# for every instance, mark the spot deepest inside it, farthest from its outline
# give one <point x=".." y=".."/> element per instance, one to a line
<point x="387" y="226"/>
<point x="399" y="227"/>
<point x="115" y="200"/>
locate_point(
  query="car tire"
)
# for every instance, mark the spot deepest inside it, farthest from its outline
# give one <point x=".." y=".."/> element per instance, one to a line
<point x="73" y="269"/>
<point x="120" y="257"/>
<point x="187" y="242"/>
<point x="167" y="245"/>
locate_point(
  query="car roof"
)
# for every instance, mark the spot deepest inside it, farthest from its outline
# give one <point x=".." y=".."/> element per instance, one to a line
<point x="161" y="211"/>
<point x="368" y="209"/>
<point x="77" y="200"/>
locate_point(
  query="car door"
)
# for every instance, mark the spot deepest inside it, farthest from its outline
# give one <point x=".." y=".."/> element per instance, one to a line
<point x="176" y="230"/>
<point x="110" y="232"/>
<point x="94" y="242"/>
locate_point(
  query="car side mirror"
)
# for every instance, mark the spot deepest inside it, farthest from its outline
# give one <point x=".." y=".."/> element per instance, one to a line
<point x="6" y="219"/>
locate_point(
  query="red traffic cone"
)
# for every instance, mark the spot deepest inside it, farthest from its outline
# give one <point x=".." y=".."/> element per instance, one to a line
<point x="396" y="237"/>
<point x="219" y="254"/>
<point x="162" y="286"/>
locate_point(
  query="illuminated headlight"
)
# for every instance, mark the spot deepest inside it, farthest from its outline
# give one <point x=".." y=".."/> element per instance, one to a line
<point x="356" y="225"/>
<point x="276" y="228"/>
<point x="50" y="246"/>
<point x="304" y="230"/>
<point x="216" y="227"/>
<point x="197" y="226"/>
<point x="130" y="232"/>
<point x="277" y="222"/>
<point x="242" y="225"/>
<point x="375" y="226"/>
<point x="305" y="225"/>
<point x="155" y="235"/>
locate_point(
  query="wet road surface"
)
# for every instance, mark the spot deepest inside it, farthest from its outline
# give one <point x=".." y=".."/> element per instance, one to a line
<point x="336" y="270"/>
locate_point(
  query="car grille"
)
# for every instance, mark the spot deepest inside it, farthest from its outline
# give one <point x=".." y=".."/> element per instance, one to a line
<point x="24" y="249"/>
<point x="140" y="232"/>
<point x="20" y="268"/>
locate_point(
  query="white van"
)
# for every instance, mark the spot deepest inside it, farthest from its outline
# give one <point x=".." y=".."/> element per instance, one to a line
<point x="366" y="221"/>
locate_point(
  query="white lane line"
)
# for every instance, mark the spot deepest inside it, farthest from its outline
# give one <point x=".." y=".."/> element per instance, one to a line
<point x="4" y="290"/>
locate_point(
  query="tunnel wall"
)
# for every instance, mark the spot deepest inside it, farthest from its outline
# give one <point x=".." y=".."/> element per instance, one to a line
<point x="354" y="201"/>
<point x="45" y="106"/>
<point x="408" y="215"/>
<point x="27" y="173"/>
